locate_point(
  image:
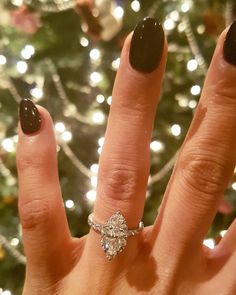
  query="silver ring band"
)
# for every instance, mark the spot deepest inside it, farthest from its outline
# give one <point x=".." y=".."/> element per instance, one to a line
<point x="114" y="233"/>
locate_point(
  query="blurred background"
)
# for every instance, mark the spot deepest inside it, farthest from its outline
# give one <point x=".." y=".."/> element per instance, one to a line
<point x="64" y="54"/>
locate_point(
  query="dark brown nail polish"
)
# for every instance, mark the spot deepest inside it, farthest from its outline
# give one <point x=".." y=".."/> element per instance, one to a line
<point x="147" y="45"/>
<point x="29" y="116"/>
<point x="229" y="49"/>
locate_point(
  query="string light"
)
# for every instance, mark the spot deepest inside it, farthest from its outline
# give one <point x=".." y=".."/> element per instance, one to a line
<point x="91" y="195"/>
<point x="101" y="141"/>
<point x="135" y="5"/>
<point x="156" y="146"/>
<point x="100" y="150"/>
<point x="69" y="204"/>
<point x="201" y="29"/>
<point x="210" y="243"/>
<point x="109" y="100"/>
<point x="234" y="186"/>
<point x="6" y="292"/>
<point x="176" y="129"/>
<point x="192" y="104"/>
<point x="17" y="3"/>
<point x="3" y="60"/>
<point x="95" y="54"/>
<point x="223" y="233"/>
<point x="21" y="66"/>
<point x="60" y="127"/>
<point x="95" y="78"/>
<point x="8" y="145"/>
<point x="115" y="64"/>
<point x="94" y="180"/>
<point x="84" y="42"/>
<point x="192" y="65"/>
<point x="169" y="24"/>
<point x="66" y="136"/>
<point x="183" y="102"/>
<point x="195" y="90"/>
<point x="174" y="15"/>
<point x="14" y="242"/>
<point x="98" y="117"/>
<point x="28" y="51"/>
<point x="36" y="93"/>
<point x="118" y="12"/>
<point x="100" y="98"/>
<point x="185" y="7"/>
<point x="94" y="168"/>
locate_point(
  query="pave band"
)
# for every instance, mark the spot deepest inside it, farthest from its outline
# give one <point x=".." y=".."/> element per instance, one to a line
<point x="114" y="233"/>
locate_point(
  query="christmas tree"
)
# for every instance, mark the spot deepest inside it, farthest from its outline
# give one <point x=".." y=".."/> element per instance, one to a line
<point x="64" y="54"/>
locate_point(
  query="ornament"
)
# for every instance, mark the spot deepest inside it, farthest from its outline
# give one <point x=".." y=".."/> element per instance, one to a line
<point x="102" y="19"/>
<point x="25" y="20"/>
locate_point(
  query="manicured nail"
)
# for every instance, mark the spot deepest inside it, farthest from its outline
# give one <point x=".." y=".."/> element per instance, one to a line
<point x="230" y="45"/>
<point x="147" y="45"/>
<point x="29" y="116"/>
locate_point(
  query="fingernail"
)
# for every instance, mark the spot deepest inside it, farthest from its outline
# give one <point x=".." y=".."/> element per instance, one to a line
<point x="229" y="49"/>
<point x="147" y="45"/>
<point x="29" y="117"/>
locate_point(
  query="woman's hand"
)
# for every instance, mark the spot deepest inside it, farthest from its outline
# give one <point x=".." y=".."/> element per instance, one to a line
<point x="167" y="258"/>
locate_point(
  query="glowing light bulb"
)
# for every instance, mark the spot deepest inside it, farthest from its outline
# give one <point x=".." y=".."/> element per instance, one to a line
<point x="234" y="186"/>
<point x="109" y="100"/>
<point x="17" y="3"/>
<point x="174" y="15"/>
<point x="14" y="242"/>
<point x="60" y="127"/>
<point x="156" y="146"/>
<point x="176" y="129"/>
<point x="98" y="117"/>
<point x="21" y="66"/>
<point x="3" y="59"/>
<point x="118" y="12"/>
<point x="195" y="90"/>
<point x="192" y="65"/>
<point x="210" y="243"/>
<point x="185" y="7"/>
<point x="91" y="195"/>
<point x="94" y="168"/>
<point x="183" y="102"/>
<point x="100" y="98"/>
<point x="100" y="150"/>
<point x="201" y="29"/>
<point x="94" y="180"/>
<point x="36" y="92"/>
<point x="95" y="54"/>
<point x="95" y="78"/>
<point x="192" y="104"/>
<point x="84" y="42"/>
<point x="101" y="141"/>
<point x="223" y="233"/>
<point x="116" y="63"/>
<point x="169" y="24"/>
<point x="27" y="51"/>
<point x="69" y="204"/>
<point x="8" y="145"/>
<point x="135" y="5"/>
<point x="66" y="136"/>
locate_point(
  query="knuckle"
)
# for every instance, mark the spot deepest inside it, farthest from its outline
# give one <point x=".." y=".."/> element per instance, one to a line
<point x="203" y="174"/>
<point x="34" y="213"/>
<point x="120" y="181"/>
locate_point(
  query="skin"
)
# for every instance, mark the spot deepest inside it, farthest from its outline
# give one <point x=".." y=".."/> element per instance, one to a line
<point x="167" y="258"/>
